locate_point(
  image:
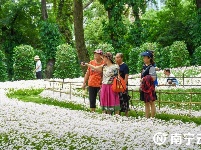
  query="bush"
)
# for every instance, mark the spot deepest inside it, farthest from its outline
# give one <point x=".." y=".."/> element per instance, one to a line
<point x="23" y="66"/>
<point x="133" y="58"/>
<point x="179" y="55"/>
<point x="197" y="56"/>
<point x="164" y="58"/>
<point x="67" y="65"/>
<point x="3" y="67"/>
<point x="106" y="48"/>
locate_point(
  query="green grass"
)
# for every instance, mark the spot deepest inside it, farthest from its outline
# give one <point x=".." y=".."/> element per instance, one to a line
<point x="32" y="95"/>
<point x="174" y="98"/>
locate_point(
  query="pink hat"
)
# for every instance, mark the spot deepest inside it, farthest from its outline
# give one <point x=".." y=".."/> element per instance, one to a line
<point x="99" y="51"/>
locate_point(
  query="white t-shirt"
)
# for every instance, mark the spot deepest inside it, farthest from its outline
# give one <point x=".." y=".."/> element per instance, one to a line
<point x="38" y="64"/>
<point x="109" y="73"/>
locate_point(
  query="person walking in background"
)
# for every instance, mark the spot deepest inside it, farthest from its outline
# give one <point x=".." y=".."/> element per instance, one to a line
<point x="147" y="87"/>
<point x="170" y="80"/>
<point x="38" y="68"/>
<point x="109" y="100"/>
<point x="124" y="73"/>
<point x="94" y="79"/>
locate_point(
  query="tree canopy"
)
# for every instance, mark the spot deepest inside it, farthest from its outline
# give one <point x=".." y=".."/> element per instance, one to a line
<point x="124" y="25"/>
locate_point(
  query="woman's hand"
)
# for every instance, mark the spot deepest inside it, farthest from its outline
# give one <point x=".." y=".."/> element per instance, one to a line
<point x="84" y="86"/>
<point x="84" y="64"/>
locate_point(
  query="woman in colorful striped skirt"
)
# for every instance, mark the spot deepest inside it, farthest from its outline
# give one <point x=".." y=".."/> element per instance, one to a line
<point x="109" y="100"/>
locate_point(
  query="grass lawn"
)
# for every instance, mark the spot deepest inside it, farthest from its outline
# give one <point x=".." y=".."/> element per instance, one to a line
<point x="174" y="98"/>
<point x="32" y="95"/>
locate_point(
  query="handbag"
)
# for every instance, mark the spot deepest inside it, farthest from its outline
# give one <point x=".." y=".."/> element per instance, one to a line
<point x="118" y="85"/>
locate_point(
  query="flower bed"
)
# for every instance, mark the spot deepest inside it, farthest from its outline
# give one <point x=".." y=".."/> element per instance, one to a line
<point x="29" y="126"/>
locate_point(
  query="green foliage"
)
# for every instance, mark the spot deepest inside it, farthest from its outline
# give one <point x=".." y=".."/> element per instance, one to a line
<point x="3" y="67"/>
<point x="133" y="58"/>
<point x="114" y="28"/>
<point x="93" y="31"/>
<point x="50" y="38"/>
<point x="106" y="48"/>
<point x="23" y="62"/>
<point x="197" y="56"/>
<point x="19" y="25"/>
<point x="66" y="65"/>
<point x="23" y="92"/>
<point x="179" y="55"/>
<point x="164" y="58"/>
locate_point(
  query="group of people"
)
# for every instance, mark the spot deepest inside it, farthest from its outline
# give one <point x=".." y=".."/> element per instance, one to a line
<point x="100" y="74"/>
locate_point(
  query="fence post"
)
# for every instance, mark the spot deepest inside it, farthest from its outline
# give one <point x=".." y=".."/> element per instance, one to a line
<point x="70" y="90"/>
<point x="53" y="87"/>
<point x="60" y="85"/>
<point x="159" y="99"/>
<point x="190" y="106"/>
<point x="183" y="79"/>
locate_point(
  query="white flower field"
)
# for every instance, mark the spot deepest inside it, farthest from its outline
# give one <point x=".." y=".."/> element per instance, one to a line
<point x="27" y="125"/>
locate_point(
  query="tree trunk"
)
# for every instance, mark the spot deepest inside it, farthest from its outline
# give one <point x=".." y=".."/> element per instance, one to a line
<point x="44" y="9"/>
<point x="79" y="33"/>
<point x="198" y="4"/>
<point x="50" y="68"/>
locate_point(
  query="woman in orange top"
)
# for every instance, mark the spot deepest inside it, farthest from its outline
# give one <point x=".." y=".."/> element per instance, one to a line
<point x="94" y="78"/>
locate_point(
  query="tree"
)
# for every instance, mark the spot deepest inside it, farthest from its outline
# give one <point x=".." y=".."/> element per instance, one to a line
<point x="17" y="21"/>
<point x="115" y="28"/>
<point x="50" y="39"/>
<point x="79" y="32"/>
<point x="198" y="4"/>
<point x="64" y="18"/>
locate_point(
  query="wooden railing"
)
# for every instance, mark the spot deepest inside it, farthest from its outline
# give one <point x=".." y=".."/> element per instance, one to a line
<point x="160" y="101"/>
<point x="68" y="87"/>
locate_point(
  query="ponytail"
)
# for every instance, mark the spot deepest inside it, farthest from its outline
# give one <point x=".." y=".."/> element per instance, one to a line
<point x="152" y="61"/>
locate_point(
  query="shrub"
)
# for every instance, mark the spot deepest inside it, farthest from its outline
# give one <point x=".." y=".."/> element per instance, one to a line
<point x="179" y="55"/>
<point x="66" y="65"/>
<point x="164" y="58"/>
<point x="197" y="56"/>
<point x="3" y="67"/>
<point x="23" y="66"/>
<point x="133" y="58"/>
<point x="106" y="48"/>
